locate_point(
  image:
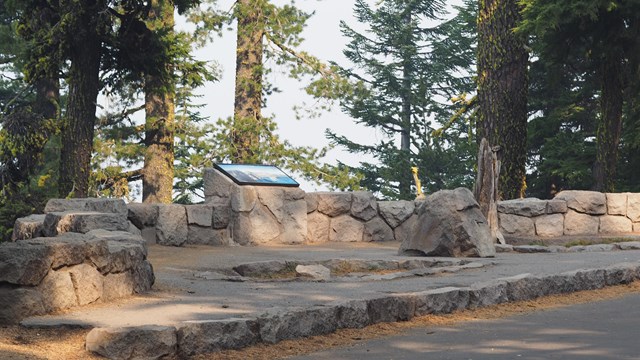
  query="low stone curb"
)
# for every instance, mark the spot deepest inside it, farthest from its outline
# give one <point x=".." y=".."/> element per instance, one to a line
<point x="629" y="245"/>
<point x="198" y="337"/>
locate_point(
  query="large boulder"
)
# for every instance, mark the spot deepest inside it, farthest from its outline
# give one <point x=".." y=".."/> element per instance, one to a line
<point x="450" y="224"/>
<point x="396" y="212"/>
<point x="576" y="223"/>
<point x="588" y="202"/>
<point x="528" y="207"/>
<point x="364" y="205"/>
<point x="28" y="227"/>
<point x="334" y="203"/>
<point x="172" y="227"/>
<point x="610" y="224"/>
<point x="345" y="228"/>
<point x="515" y="225"/>
<point x="56" y="223"/>
<point x="143" y="215"/>
<point x="616" y="204"/>
<point x="318" y="227"/>
<point x="551" y="225"/>
<point x="102" y="205"/>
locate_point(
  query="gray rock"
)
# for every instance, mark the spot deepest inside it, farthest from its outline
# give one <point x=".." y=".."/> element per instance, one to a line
<point x="134" y="229"/>
<point x="528" y="207"/>
<point x="294" y="222"/>
<point x="221" y="216"/>
<point x="149" y="235"/>
<point x="243" y="198"/>
<point x="281" y="325"/>
<point x="502" y="248"/>
<point x="312" y="202"/>
<point x="616" y="204"/>
<point x="396" y="212"/>
<point x="207" y="236"/>
<point x="406" y="230"/>
<point x="318" y="226"/>
<point x="207" y="336"/>
<point x="633" y="207"/>
<point x="588" y="202"/>
<point x="576" y="223"/>
<point x="273" y="199"/>
<point x="143" y="215"/>
<point x="317" y="272"/>
<point x="525" y="287"/>
<point x="123" y="257"/>
<point x="391" y="308"/>
<point x="363" y="205"/>
<point x="593" y="248"/>
<point x="101" y="205"/>
<point x="68" y="250"/>
<point x="487" y="293"/>
<point x="352" y="314"/>
<point x="345" y="228"/>
<point x="377" y="230"/>
<point x="19" y="303"/>
<point x="334" y="203"/>
<point x="450" y="224"/>
<point x="618" y="274"/>
<point x="142" y="342"/>
<point x="28" y="227"/>
<point x="143" y="277"/>
<point x="293" y="194"/>
<point x="441" y="301"/>
<point x="116" y="286"/>
<point x="56" y="223"/>
<point x="216" y="185"/>
<point x="58" y="290"/>
<point x="87" y="282"/>
<point x="629" y="245"/>
<point x="260" y="268"/>
<point x="589" y="279"/>
<point x="24" y="264"/>
<point x="172" y="225"/>
<point x="611" y="224"/>
<point x="254" y="228"/>
<point x="531" y="249"/>
<point x="516" y="225"/>
<point x="555" y="206"/>
<point x="549" y="225"/>
<point x="200" y="215"/>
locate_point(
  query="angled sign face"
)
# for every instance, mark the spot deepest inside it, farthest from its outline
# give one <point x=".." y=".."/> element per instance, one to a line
<point x="257" y="175"/>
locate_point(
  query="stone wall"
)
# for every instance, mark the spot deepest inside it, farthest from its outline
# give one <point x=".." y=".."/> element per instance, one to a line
<point x="76" y="254"/>
<point x="584" y="213"/>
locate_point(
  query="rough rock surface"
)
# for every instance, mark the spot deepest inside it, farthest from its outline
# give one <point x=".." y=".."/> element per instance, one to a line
<point x="318" y="227"/>
<point x="396" y="212"/>
<point x="551" y="225"/>
<point x="143" y="215"/>
<point x="555" y="206"/>
<point x="588" y="202"/>
<point x="217" y="187"/>
<point x="576" y="223"/>
<point x="377" y="230"/>
<point x="201" y="215"/>
<point x="616" y="203"/>
<point x="516" y="225"/>
<point x="28" y="227"/>
<point x="317" y="272"/>
<point x="56" y="223"/>
<point x="144" y="342"/>
<point x="333" y="203"/>
<point x="610" y="224"/>
<point x="102" y="205"/>
<point x="524" y="207"/>
<point x="172" y="225"/>
<point x="345" y="228"/>
<point x="450" y="224"/>
<point x="364" y="205"/>
<point x="633" y="207"/>
<point x="199" y="337"/>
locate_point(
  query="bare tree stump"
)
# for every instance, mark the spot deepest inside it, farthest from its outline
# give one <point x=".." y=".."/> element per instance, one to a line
<point x="486" y="187"/>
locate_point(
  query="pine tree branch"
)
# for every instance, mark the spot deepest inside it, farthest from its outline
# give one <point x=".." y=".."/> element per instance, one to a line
<point x="313" y="63"/>
<point x="466" y="107"/>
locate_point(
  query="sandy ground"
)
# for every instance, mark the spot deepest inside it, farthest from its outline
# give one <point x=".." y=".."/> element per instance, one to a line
<point x="21" y="343"/>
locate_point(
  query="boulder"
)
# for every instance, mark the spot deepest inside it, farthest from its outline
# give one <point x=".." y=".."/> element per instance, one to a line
<point x="117" y="286"/>
<point x="101" y="205"/>
<point x="255" y="269"/>
<point x="345" y="228"/>
<point x="406" y="229"/>
<point x="588" y="202"/>
<point x="19" y="303"/>
<point x="273" y="199"/>
<point x="221" y="216"/>
<point x="24" y="264"/>
<point x="243" y="198"/>
<point x="450" y="224"/>
<point x="143" y="215"/>
<point x="200" y="215"/>
<point x="396" y="212"/>
<point x="334" y="203"/>
<point x="556" y="206"/>
<point x="294" y="222"/>
<point x="28" y="227"/>
<point x="528" y="207"/>
<point x="56" y="223"/>
<point x="364" y="205"/>
<point x="317" y="272"/>
<point x="143" y="277"/>
<point x="256" y="227"/>
<point x="72" y="249"/>
<point x="576" y="223"/>
<point x="551" y="225"/>
<point x="391" y="308"/>
<point x="172" y="225"/>
<point x="217" y="186"/>
<point x="88" y="283"/>
<point x="312" y="202"/>
<point x="516" y="225"/>
<point x="277" y="325"/>
<point x="610" y="224"/>
<point x="207" y="236"/>
<point x="377" y="230"/>
<point x="58" y="290"/>
<point x="616" y="203"/>
<point x="633" y="207"/>
<point x="141" y="342"/>
<point x="318" y="227"/>
<point x="352" y="314"/>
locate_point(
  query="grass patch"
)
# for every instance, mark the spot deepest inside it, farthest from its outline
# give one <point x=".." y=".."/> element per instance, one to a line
<point x="605" y="241"/>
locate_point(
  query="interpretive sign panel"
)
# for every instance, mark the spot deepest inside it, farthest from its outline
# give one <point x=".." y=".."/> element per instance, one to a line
<point x="261" y="175"/>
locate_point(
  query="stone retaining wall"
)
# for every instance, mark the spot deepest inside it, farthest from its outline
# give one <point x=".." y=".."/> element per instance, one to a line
<point x="570" y="213"/>
<point x="80" y="255"/>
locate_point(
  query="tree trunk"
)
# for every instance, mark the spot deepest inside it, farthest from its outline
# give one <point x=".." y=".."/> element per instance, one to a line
<point x="502" y="90"/>
<point x="610" y="124"/>
<point x="404" y="183"/>
<point x="78" y="126"/>
<point x="157" y="181"/>
<point x="248" y="91"/>
<point x="486" y="188"/>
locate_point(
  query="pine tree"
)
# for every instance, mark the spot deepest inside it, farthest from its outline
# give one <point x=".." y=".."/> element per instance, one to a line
<point x="502" y="90"/>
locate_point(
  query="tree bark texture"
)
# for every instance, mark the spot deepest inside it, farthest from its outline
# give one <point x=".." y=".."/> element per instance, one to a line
<point x="502" y="90"/>
<point x="157" y="181"/>
<point x="404" y="183"/>
<point x="610" y="125"/>
<point x="486" y="188"/>
<point x="247" y="112"/>
<point x="79" y="122"/>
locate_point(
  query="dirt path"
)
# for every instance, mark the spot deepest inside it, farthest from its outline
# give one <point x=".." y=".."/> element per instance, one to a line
<point x="21" y="343"/>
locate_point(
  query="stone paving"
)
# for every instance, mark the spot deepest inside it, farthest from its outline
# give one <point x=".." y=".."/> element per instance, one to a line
<point x="185" y="305"/>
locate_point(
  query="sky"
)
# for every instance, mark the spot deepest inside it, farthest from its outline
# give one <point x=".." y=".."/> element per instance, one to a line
<point x="324" y="40"/>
